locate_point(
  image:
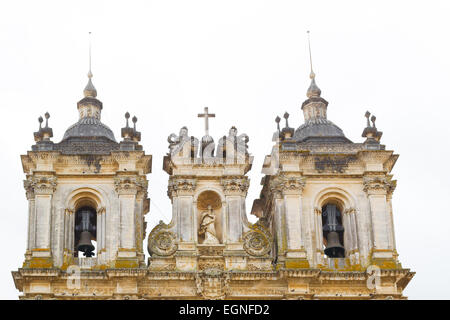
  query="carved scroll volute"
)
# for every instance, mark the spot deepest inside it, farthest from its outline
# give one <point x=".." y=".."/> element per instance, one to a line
<point x="161" y="241"/>
<point x="258" y="240"/>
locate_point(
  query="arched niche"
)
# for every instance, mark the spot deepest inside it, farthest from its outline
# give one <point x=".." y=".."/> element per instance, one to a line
<point x="209" y="201"/>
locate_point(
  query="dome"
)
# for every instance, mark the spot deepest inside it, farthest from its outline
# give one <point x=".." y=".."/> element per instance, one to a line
<point x="89" y="127"/>
<point x="321" y="130"/>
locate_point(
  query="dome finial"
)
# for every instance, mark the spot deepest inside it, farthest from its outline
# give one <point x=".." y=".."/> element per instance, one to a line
<point x="313" y="90"/>
<point x="89" y="90"/>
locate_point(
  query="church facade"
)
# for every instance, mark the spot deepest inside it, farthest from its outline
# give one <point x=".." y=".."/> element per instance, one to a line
<point x="324" y="230"/>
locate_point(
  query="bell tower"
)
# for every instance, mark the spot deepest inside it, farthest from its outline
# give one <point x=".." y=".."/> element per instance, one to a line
<point x="328" y="202"/>
<point x="87" y="199"/>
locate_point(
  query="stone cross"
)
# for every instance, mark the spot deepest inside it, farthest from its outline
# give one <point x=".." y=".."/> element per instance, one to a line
<point x="206" y="115"/>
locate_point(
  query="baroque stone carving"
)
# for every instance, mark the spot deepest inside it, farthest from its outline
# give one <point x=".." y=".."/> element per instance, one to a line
<point x="378" y="184"/>
<point x="181" y="185"/>
<point x="177" y="144"/>
<point x="207" y="227"/>
<point x="130" y="184"/>
<point x="213" y="284"/>
<point x="161" y="241"/>
<point x="287" y="183"/>
<point x="40" y="184"/>
<point x="233" y="185"/>
<point x="257" y="241"/>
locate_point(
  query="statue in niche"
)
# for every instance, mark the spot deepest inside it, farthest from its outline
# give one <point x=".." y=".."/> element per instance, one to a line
<point x="183" y="145"/>
<point x="207" y="228"/>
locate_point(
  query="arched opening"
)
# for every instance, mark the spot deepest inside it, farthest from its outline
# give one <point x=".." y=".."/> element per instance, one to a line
<point x="333" y="230"/>
<point x="209" y="218"/>
<point x="85" y="231"/>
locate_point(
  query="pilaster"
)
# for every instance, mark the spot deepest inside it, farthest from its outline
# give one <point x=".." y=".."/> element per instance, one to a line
<point x="377" y="187"/>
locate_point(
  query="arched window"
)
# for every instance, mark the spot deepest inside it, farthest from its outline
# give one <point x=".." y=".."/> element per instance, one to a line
<point x="333" y="231"/>
<point x="85" y="231"/>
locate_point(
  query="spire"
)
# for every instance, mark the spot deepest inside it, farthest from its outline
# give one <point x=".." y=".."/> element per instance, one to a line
<point x="89" y="90"/>
<point x="313" y="90"/>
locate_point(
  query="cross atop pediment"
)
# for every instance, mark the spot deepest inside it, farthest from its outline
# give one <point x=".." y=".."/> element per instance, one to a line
<point x="206" y="115"/>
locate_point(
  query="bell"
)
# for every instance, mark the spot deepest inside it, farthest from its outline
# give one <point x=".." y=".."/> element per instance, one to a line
<point x="334" y="248"/>
<point x="85" y="244"/>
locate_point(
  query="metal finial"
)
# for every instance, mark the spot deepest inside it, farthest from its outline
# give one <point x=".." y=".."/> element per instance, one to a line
<point x="277" y="120"/>
<point x="47" y="115"/>
<point x="134" y="122"/>
<point x="89" y="90"/>
<point x="286" y="116"/>
<point x="90" y="65"/>
<point x="127" y="116"/>
<point x="40" y="122"/>
<point x="367" y="115"/>
<point x="373" y="118"/>
<point x="312" y="75"/>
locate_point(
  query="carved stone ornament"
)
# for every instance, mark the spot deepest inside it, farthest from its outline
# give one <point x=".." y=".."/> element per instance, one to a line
<point x="161" y="241"/>
<point x="40" y="184"/>
<point x="130" y="184"/>
<point x="181" y="185"/>
<point x="257" y="241"/>
<point x="233" y="185"/>
<point x="213" y="284"/>
<point x="378" y="184"/>
<point x="287" y="184"/>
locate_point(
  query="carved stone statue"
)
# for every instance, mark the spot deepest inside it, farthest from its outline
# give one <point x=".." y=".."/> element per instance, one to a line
<point x="207" y="227"/>
<point x="229" y="147"/>
<point x="183" y="143"/>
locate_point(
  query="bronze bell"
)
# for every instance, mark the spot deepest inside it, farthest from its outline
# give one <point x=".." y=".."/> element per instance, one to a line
<point x="334" y="248"/>
<point x="85" y="244"/>
<point x="85" y="231"/>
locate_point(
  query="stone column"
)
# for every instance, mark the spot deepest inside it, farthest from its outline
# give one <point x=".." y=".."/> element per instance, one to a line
<point x="127" y="188"/>
<point x="279" y="230"/>
<point x="44" y="186"/>
<point x="235" y="190"/>
<point x="376" y="188"/>
<point x="140" y="198"/>
<point x="319" y="237"/>
<point x="181" y="191"/>
<point x="350" y="236"/>
<point x="31" y="218"/>
<point x="68" y="238"/>
<point x="292" y="185"/>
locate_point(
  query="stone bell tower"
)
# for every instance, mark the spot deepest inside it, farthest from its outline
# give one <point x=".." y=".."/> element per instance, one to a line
<point x="87" y="197"/>
<point x="328" y="202"/>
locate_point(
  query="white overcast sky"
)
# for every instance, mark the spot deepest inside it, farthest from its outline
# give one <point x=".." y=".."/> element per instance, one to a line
<point x="163" y="61"/>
